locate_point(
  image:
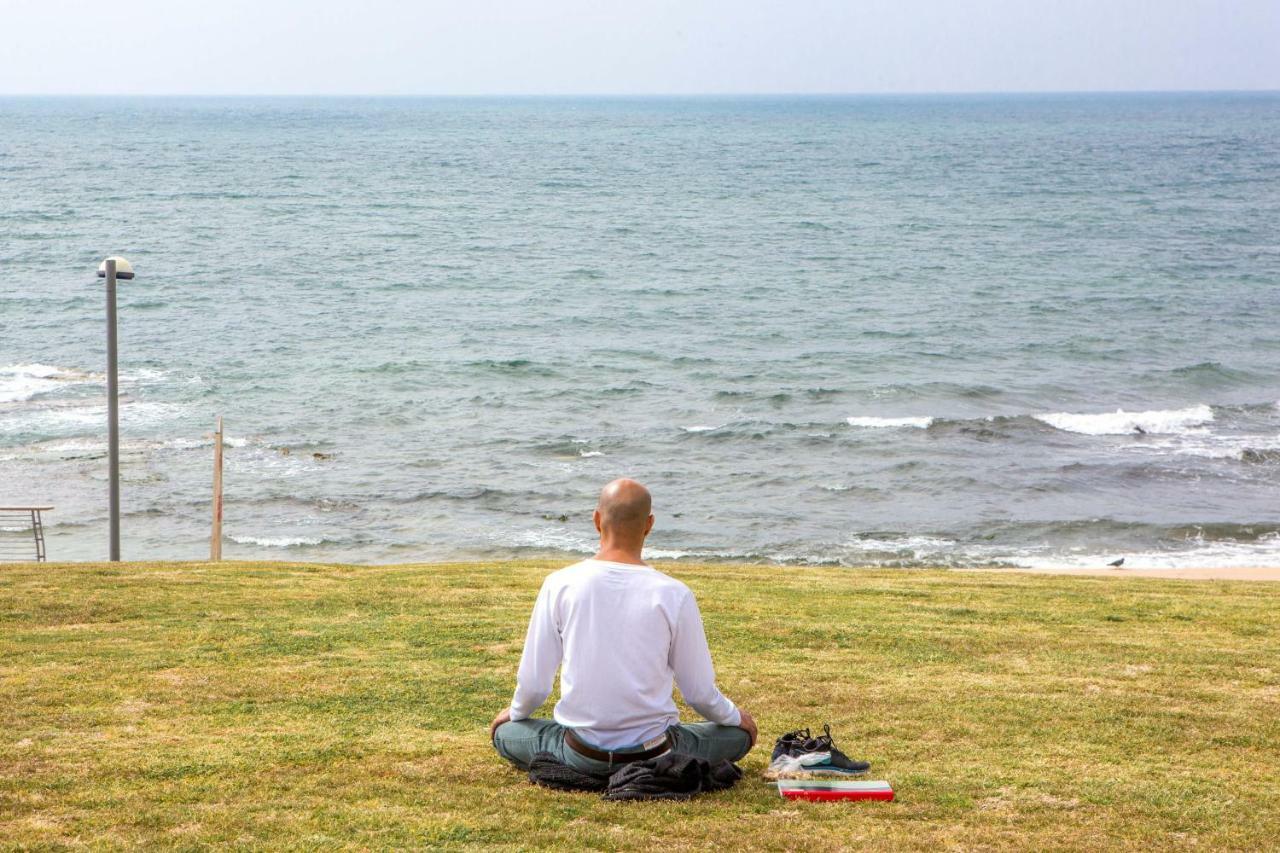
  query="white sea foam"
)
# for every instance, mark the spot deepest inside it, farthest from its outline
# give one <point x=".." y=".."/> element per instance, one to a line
<point x="203" y="442"/>
<point x="1209" y="445"/>
<point x="705" y="554"/>
<point x="143" y="374"/>
<point x="21" y="382"/>
<point x="186" y="443"/>
<point x="61" y="447"/>
<point x="886" y="423"/>
<point x="554" y="539"/>
<point x="1120" y="422"/>
<point x="917" y="546"/>
<point x="590" y="454"/>
<point x="1200" y="553"/>
<point x="665" y="554"/>
<point x="702" y="428"/>
<point x="75" y="420"/>
<point x="270" y="462"/>
<point x="34" y="369"/>
<point x="277" y="541"/>
<point x="89" y="447"/>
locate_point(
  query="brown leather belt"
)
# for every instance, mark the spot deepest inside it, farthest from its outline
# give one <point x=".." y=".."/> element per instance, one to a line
<point x="616" y="757"/>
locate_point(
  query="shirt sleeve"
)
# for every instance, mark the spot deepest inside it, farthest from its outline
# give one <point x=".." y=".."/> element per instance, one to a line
<point x="695" y="675"/>
<point x="540" y="659"/>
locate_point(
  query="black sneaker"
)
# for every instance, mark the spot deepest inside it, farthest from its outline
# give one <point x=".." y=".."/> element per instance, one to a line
<point x="792" y="743"/>
<point x="838" y="762"/>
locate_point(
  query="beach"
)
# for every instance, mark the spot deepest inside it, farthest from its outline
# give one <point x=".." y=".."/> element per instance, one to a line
<point x="964" y="331"/>
<point x="283" y="704"/>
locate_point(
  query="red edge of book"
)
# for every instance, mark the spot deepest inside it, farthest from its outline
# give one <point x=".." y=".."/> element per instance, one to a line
<point x="864" y="791"/>
<point x="796" y="794"/>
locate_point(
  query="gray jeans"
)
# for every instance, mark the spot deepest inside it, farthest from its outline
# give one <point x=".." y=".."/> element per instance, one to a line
<point x="518" y="741"/>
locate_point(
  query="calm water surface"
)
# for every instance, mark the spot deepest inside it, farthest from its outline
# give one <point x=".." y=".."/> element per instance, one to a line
<point x="966" y="330"/>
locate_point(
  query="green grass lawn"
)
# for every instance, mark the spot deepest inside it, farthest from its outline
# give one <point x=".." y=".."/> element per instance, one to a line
<point x="281" y="705"/>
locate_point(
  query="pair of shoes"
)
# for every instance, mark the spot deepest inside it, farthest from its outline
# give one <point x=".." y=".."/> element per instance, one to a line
<point x="799" y="754"/>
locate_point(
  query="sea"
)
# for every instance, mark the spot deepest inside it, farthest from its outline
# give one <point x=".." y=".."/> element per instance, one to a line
<point x="1023" y="330"/>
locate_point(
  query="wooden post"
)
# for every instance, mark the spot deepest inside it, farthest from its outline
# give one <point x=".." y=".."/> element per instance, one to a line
<point x="215" y="541"/>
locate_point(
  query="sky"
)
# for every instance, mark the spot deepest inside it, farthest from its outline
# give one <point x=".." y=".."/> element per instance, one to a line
<point x="476" y="47"/>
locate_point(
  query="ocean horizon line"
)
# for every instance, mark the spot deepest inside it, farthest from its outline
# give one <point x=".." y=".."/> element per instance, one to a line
<point x="952" y="93"/>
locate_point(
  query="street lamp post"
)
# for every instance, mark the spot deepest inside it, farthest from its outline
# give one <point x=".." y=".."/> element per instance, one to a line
<point x="111" y="269"/>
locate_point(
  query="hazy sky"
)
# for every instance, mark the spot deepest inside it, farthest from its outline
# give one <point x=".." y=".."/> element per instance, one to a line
<point x="635" y="46"/>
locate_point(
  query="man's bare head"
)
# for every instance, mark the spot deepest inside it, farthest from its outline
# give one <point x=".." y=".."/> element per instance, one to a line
<point x="624" y="510"/>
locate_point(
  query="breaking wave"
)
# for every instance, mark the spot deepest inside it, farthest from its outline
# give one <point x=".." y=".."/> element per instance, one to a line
<point x="22" y="382"/>
<point x="887" y="423"/>
<point x="1120" y="422"/>
<point x="279" y="541"/>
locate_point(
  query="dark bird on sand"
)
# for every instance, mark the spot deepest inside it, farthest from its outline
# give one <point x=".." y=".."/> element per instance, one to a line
<point x="1115" y="564"/>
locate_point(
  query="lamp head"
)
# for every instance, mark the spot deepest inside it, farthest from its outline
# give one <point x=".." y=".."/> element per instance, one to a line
<point x="124" y="269"/>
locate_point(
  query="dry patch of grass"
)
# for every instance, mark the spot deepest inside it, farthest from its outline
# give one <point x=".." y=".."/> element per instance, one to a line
<point x="285" y="705"/>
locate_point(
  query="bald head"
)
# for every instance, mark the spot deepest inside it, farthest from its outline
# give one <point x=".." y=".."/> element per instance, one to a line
<point x="624" y="509"/>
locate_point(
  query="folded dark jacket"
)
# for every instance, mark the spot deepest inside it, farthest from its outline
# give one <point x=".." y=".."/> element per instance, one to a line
<point x="672" y="776"/>
<point x="548" y="771"/>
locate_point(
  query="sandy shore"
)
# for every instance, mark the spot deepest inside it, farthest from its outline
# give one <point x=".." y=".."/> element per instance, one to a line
<point x="1198" y="574"/>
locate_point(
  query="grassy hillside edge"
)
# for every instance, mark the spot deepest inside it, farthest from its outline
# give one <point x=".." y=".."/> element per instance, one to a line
<point x="286" y="705"/>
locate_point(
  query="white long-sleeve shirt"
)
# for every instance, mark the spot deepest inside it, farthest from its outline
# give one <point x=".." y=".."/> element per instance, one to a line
<point x="619" y="633"/>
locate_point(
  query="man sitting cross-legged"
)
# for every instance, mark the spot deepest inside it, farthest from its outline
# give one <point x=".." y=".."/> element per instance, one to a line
<point x="619" y="631"/>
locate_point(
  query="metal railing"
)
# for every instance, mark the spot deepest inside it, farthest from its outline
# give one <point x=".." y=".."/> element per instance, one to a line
<point x="22" y="533"/>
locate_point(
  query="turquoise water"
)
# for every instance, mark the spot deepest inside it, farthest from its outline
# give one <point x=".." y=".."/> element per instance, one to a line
<point x="1010" y="329"/>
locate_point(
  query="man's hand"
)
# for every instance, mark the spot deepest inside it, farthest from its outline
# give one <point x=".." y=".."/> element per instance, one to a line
<point x="505" y="717"/>
<point x="748" y="725"/>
